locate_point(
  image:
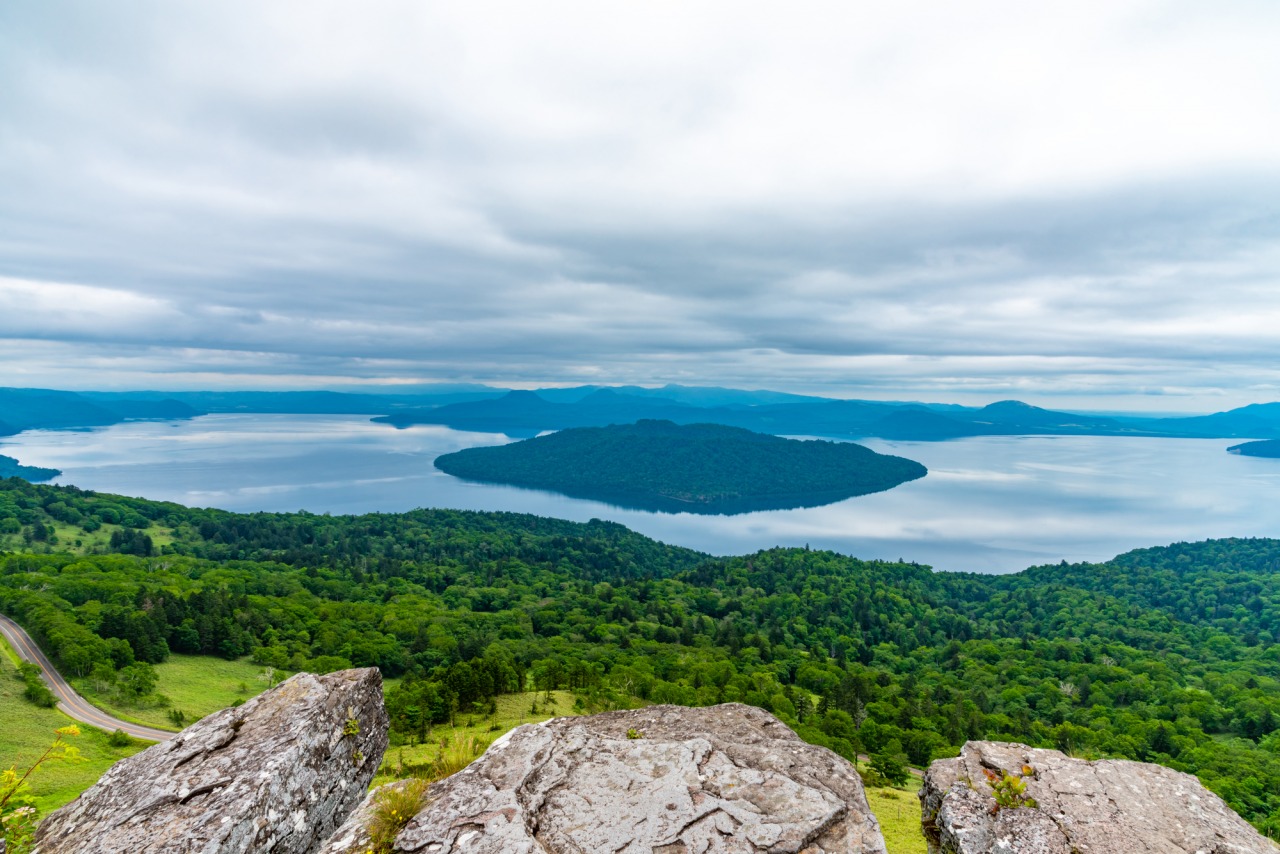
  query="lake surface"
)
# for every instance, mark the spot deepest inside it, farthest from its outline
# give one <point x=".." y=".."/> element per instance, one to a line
<point x="989" y="504"/>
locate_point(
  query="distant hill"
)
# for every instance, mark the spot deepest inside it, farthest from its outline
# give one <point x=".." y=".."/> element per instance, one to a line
<point x="291" y="402"/>
<point x="699" y="468"/>
<point x="521" y="413"/>
<point x="922" y="425"/>
<point x="1264" y="448"/>
<point x="1024" y="416"/>
<point x="715" y="396"/>
<point x="35" y="408"/>
<point x="527" y="413"/>
<point x="9" y="467"/>
<point x="30" y="408"/>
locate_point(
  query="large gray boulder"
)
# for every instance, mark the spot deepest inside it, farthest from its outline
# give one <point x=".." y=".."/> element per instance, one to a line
<point x="661" y="780"/>
<point x="1110" y="806"/>
<point x="277" y="774"/>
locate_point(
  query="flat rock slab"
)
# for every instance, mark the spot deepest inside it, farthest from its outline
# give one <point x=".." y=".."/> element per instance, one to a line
<point x="277" y="774"/>
<point x="661" y="780"/>
<point x="1112" y="806"/>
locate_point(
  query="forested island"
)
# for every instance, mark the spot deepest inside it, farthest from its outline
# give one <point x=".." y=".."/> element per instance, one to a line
<point x="9" y="467"/>
<point x="1264" y="448"/>
<point x="694" y="468"/>
<point x="1165" y="655"/>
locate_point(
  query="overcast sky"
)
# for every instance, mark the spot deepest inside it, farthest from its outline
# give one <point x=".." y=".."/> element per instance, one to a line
<point x="1074" y="204"/>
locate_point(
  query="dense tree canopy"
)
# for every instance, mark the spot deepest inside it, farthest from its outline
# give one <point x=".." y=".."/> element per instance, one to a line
<point x="1164" y="654"/>
<point x="9" y="467"/>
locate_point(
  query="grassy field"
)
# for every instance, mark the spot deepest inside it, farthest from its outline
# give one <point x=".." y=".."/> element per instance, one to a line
<point x="76" y="540"/>
<point x="899" y="813"/>
<point x="478" y="730"/>
<point x="28" y="730"/>
<point x="197" y="685"/>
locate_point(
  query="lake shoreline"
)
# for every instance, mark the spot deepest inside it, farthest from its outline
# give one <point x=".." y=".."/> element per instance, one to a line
<point x="989" y="504"/>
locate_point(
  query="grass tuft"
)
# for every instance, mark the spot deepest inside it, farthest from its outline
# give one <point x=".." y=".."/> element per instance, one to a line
<point x="455" y="754"/>
<point x="393" y="807"/>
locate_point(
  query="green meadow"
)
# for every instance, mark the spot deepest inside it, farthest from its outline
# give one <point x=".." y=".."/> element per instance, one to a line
<point x="29" y="730"/>
<point x="196" y="685"/>
<point x="899" y="813"/>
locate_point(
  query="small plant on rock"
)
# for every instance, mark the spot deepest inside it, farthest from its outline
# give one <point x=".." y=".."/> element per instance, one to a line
<point x="1009" y="790"/>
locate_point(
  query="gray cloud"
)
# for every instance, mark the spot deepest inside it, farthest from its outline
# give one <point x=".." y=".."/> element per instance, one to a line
<point x="1069" y="205"/>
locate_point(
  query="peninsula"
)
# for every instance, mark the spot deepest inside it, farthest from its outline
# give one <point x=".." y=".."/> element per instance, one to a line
<point x="9" y="467"/>
<point x="1263" y="448"/>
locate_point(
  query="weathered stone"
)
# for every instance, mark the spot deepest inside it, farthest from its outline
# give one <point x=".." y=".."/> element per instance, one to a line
<point x="277" y="774"/>
<point x="660" y="780"/>
<point x="1106" y="807"/>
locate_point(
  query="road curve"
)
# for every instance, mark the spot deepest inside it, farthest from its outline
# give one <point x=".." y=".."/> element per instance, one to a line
<point x="70" y="703"/>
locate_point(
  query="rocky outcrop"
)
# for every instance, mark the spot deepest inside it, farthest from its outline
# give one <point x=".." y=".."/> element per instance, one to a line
<point x="661" y="780"/>
<point x="1080" y="807"/>
<point x="277" y="774"/>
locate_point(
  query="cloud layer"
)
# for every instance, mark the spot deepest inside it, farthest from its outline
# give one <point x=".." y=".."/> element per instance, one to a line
<point x="1072" y="204"/>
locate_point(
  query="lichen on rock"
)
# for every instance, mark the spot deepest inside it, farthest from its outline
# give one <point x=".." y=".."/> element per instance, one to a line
<point x="1101" y="807"/>
<point x="660" y="780"/>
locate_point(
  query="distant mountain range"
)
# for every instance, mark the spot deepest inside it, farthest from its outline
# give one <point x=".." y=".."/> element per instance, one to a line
<point x="521" y="413"/>
<point x="34" y="408"/>
<point x="525" y="413"/>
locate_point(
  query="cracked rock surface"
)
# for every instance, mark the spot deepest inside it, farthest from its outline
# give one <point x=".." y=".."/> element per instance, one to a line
<point x="1110" y="806"/>
<point x="277" y="774"/>
<point x="728" y="778"/>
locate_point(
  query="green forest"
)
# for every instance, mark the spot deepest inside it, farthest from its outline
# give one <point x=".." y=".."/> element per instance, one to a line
<point x="1165" y="655"/>
<point x="1263" y="448"/>
<point x="9" y="467"/>
<point x="697" y="468"/>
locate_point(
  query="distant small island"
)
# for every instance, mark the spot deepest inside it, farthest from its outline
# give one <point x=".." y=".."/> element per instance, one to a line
<point x="693" y="468"/>
<point x="1265" y="448"/>
<point x="9" y="467"/>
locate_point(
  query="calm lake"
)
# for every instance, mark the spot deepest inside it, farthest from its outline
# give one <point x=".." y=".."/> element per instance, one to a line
<point x="990" y="504"/>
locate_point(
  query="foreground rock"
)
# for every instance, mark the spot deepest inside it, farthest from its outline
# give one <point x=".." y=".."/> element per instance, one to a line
<point x="277" y="774"/>
<point x="661" y="780"/>
<point x="1081" y="807"/>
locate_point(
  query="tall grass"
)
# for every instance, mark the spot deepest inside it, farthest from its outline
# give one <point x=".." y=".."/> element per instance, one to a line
<point x="393" y="807"/>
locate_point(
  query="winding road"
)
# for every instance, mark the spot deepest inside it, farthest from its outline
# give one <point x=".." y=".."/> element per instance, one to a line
<point x="70" y="703"/>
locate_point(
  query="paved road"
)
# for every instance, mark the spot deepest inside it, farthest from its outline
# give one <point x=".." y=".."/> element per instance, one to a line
<point x="69" y="702"/>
